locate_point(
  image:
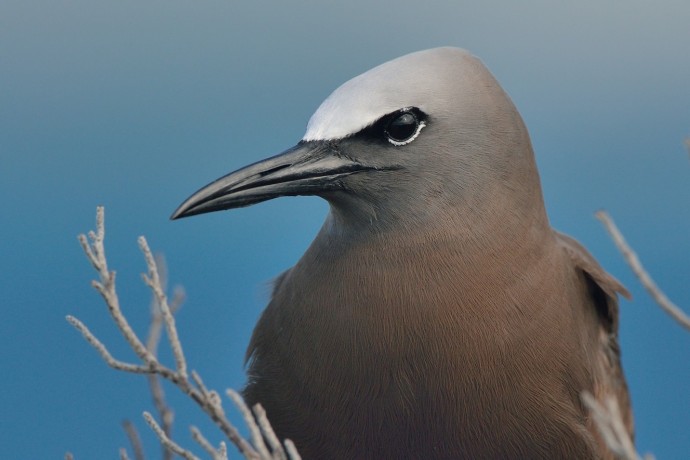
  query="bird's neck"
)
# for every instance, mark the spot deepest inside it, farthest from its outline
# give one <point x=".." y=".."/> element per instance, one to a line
<point x="474" y="253"/>
<point x="383" y="290"/>
<point x="468" y="233"/>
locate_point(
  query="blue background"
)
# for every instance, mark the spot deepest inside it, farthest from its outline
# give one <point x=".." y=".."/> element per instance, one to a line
<point x="136" y="104"/>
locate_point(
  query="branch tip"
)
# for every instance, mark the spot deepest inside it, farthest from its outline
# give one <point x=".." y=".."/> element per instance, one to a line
<point x="638" y="269"/>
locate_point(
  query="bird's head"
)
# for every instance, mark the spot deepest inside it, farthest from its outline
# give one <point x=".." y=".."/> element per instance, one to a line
<point x="431" y="132"/>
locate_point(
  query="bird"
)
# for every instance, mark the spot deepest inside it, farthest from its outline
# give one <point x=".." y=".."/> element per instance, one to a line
<point x="436" y="314"/>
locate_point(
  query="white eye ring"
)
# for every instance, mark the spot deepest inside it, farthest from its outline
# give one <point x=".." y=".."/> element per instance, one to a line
<point x="403" y="127"/>
<point x="420" y="125"/>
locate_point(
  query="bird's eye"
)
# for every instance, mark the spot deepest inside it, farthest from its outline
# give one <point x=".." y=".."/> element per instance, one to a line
<point x="403" y="128"/>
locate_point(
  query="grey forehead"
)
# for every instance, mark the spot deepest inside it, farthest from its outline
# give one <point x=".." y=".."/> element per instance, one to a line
<point x="413" y="80"/>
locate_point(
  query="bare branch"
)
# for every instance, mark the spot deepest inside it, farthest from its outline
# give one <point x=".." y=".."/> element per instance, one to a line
<point x="208" y="400"/>
<point x="123" y="454"/>
<point x="103" y="351"/>
<point x="289" y="452"/>
<point x="223" y="450"/>
<point x="634" y="262"/>
<point x="166" y="441"/>
<point x="255" y="432"/>
<point x="202" y="441"/>
<point x="212" y="405"/>
<point x="607" y="417"/>
<point x="95" y="252"/>
<point x="134" y="440"/>
<point x="179" y="296"/>
<point x="155" y="329"/>
<point x="268" y="434"/>
<point x="216" y="454"/>
<point x="84" y="242"/>
<point x="153" y="281"/>
<point x="153" y="367"/>
<point x="199" y="383"/>
<point x="165" y="412"/>
<point x="292" y="450"/>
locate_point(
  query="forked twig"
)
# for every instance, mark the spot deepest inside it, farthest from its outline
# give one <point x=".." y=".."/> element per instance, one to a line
<point x="95" y="252"/>
<point x="166" y="441"/>
<point x="152" y="280"/>
<point x="216" y="454"/>
<point x="208" y="400"/>
<point x="165" y="412"/>
<point x="255" y="432"/>
<point x="267" y="431"/>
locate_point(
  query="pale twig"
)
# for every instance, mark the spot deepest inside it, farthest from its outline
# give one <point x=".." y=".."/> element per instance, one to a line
<point x="95" y="252"/>
<point x="153" y="281"/>
<point x="261" y="431"/>
<point x="214" y="400"/>
<point x="292" y="450"/>
<point x="123" y="454"/>
<point x="289" y="452"/>
<point x="199" y="383"/>
<point x="208" y="400"/>
<point x="103" y="351"/>
<point x="608" y="420"/>
<point x="165" y="412"/>
<point x="634" y="262"/>
<point x="255" y="432"/>
<point x="216" y="454"/>
<point x="179" y="296"/>
<point x="267" y="431"/>
<point x="156" y="326"/>
<point x="165" y="440"/>
<point x="202" y="441"/>
<point x="211" y="405"/>
<point x="134" y="439"/>
<point x="69" y="456"/>
<point x="152" y="367"/>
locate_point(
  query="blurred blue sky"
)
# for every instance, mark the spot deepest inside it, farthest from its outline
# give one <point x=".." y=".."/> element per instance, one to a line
<point x="135" y="105"/>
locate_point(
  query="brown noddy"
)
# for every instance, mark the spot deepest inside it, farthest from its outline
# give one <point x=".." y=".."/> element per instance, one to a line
<point x="436" y="315"/>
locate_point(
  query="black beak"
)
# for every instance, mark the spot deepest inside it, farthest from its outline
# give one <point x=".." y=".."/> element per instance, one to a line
<point x="309" y="168"/>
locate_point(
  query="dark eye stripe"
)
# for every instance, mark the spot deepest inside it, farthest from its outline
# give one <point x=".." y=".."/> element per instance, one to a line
<point x="398" y="128"/>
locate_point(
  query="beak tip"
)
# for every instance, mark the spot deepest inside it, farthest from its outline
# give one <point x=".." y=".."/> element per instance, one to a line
<point x="178" y="214"/>
<point x="304" y="169"/>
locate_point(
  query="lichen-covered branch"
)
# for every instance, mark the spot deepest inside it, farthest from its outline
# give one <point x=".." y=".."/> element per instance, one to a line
<point x="165" y="413"/>
<point x="95" y="251"/>
<point x="166" y="441"/>
<point x="163" y="317"/>
<point x="153" y="281"/>
<point x="254" y="430"/>
<point x="221" y="453"/>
